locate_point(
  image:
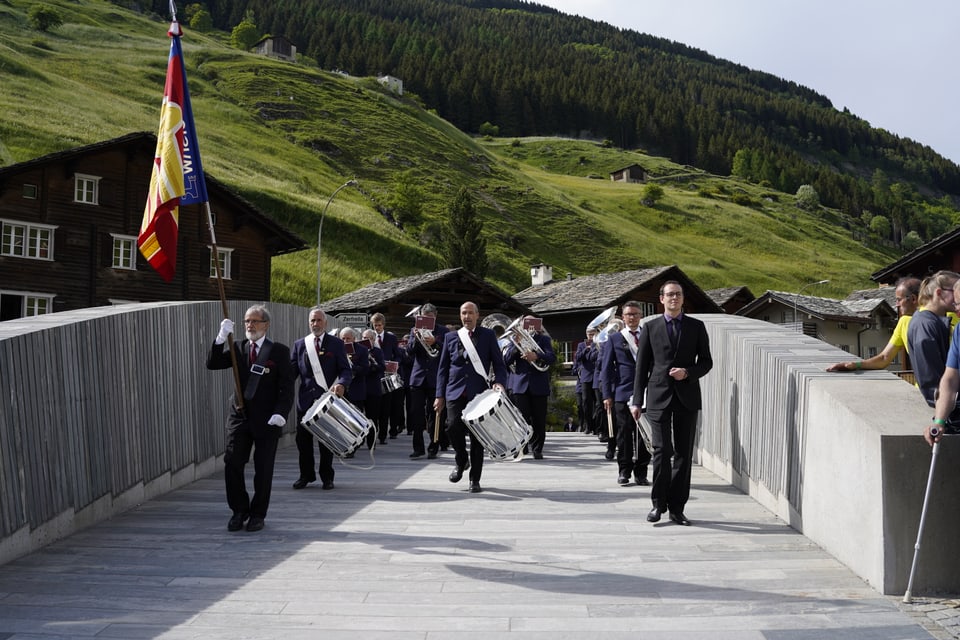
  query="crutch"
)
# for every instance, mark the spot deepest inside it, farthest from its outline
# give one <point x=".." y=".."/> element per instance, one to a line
<point x="908" y="596"/>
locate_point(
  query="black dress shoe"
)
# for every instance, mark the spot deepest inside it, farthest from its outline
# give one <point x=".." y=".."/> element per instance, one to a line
<point x="654" y="515"/>
<point x="301" y="483"/>
<point x="416" y="454"/>
<point x="475" y="487"/>
<point x="255" y="524"/>
<point x="623" y="480"/>
<point x="431" y="455"/>
<point x="236" y="522"/>
<point x="679" y="518"/>
<point x="537" y="455"/>
<point x="327" y="486"/>
<point x="642" y="481"/>
<point x="608" y="455"/>
<point x="456" y="474"/>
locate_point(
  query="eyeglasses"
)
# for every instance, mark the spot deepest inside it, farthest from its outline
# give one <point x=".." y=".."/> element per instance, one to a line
<point x="672" y="294"/>
<point x="254" y="321"/>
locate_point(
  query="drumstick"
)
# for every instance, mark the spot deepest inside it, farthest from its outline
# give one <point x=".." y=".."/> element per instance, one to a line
<point x="610" y="424"/>
<point x="436" y="428"/>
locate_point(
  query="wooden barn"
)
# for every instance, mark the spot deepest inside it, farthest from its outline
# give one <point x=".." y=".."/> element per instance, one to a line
<point x="70" y="222"/>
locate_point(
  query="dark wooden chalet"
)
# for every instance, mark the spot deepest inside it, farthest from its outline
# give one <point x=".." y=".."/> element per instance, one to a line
<point x="568" y="306"/>
<point x="446" y="289"/>
<point x="943" y="252"/>
<point x="731" y="299"/>
<point x="69" y="234"/>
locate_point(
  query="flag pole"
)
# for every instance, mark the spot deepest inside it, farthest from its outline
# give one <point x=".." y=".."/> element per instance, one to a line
<point x="238" y="394"/>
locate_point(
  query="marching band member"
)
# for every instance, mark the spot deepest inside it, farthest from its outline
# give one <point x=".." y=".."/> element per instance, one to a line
<point x="359" y="366"/>
<point x="320" y="361"/>
<point x="466" y="358"/>
<point x="619" y="373"/>
<point x="599" y="415"/>
<point x="584" y="364"/>
<point x="264" y="370"/>
<point x="423" y="348"/>
<point x="391" y="404"/>
<point x="375" y="397"/>
<point x="529" y="386"/>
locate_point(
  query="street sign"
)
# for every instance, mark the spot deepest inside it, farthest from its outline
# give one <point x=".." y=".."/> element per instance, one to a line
<point x="352" y="319"/>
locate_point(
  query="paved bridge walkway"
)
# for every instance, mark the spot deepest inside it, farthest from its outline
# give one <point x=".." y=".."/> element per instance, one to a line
<point x="552" y="549"/>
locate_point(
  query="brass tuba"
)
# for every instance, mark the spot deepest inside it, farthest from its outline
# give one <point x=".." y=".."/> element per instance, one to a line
<point x="604" y="324"/>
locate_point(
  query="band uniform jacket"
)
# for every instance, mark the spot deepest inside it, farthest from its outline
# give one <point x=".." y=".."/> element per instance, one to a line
<point x="455" y="373"/>
<point x="359" y="368"/>
<point x="424" y="372"/>
<point x="656" y="356"/>
<point x="274" y="393"/>
<point x="524" y="377"/>
<point x="374" y="372"/>
<point x="390" y="347"/>
<point x="333" y="363"/>
<point x="617" y="368"/>
<point x="585" y="361"/>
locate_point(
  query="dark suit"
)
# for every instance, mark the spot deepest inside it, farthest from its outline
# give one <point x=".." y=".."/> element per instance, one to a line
<point x="391" y="404"/>
<point x="584" y="364"/>
<point x="336" y="370"/>
<point x="672" y="405"/>
<point x="458" y="383"/>
<point x="617" y="379"/>
<point x="375" y="397"/>
<point x="529" y="388"/>
<point x="423" y="389"/>
<point x="246" y="428"/>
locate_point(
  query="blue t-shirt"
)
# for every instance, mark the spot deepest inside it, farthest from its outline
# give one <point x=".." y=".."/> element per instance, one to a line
<point x="953" y="355"/>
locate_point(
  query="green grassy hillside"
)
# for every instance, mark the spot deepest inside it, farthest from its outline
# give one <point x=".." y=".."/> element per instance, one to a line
<point x="286" y="136"/>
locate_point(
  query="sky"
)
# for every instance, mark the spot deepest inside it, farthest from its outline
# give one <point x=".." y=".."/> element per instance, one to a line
<point x="892" y="64"/>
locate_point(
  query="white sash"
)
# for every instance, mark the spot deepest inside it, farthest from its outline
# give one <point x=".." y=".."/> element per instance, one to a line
<point x="309" y="343"/>
<point x="628" y="337"/>
<point x="471" y="350"/>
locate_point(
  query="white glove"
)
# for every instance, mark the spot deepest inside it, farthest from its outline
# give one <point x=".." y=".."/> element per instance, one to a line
<point x="277" y="420"/>
<point x="226" y="328"/>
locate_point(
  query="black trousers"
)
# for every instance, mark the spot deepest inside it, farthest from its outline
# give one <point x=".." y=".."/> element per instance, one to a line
<point x="421" y="418"/>
<point x="673" y="434"/>
<point x="457" y="431"/>
<point x="239" y="444"/>
<point x="587" y="421"/>
<point x="534" y="411"/>
<point x="306" y="459"/>
<point x="632" y="455"/>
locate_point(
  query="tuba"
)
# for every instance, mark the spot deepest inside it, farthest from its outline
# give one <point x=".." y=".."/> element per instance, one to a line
<point x="420" y="332"/>
<point x="604" y="324"/>
<point x="525" y="342"/>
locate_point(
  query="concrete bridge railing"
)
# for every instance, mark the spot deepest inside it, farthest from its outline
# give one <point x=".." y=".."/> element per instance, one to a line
<point x="107" y="407"/>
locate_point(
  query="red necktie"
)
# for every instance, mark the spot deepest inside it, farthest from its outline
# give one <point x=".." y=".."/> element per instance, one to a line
<point x="316" y="342"/>
<point x="636" y="337"/>
<point x="253" y="353"/>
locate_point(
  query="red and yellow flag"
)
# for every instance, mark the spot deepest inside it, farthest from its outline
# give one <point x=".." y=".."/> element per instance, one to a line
<point x="177" y="176"/>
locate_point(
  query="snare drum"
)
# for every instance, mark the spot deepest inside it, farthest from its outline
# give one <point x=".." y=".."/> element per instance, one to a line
<point x="337" y="423"/>
<point x="391" y="382"/>
<point x="497" y="424"/>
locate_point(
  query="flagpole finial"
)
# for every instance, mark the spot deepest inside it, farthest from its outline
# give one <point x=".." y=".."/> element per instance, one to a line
<point x="174" y="31"/>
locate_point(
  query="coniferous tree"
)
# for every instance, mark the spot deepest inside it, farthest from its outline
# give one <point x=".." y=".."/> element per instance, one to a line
<point x="463" y="243"/>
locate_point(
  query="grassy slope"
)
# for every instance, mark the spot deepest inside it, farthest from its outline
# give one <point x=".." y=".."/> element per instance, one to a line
<point x="285" y="136"/>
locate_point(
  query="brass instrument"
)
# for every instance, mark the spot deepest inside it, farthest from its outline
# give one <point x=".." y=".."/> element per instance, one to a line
<point x="601" y="323"/>
<point x="525" y="342"/>
<point x="420" y="333"/>
<point x="498" y="323"/>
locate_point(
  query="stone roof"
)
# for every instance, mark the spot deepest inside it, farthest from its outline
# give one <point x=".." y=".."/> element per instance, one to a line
<point x="883" y="293"/>
<point x="823" y="308"/>
<point x="588" y="292"/>
<point x="726" y="294"/>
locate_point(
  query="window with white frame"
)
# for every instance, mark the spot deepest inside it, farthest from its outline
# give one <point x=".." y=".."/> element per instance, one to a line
<point x="225" y="256"/>
<point x="86" y="189"/>
<point x="37" y="305"/>
<point x="24" y="240"/>
<point x="124" y="251"/>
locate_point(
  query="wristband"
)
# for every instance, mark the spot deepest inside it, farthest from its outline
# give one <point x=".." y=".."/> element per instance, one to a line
<point x="939" y="421"/>
<point x="859" y="364"/>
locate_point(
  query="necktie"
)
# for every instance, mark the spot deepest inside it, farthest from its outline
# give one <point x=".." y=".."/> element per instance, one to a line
<point x="636" y="337"/>
<point x="673" y="328"/>
<point x="380" y="340"/>
<point x="316" y="343"/>
<point x="253" y="353"/>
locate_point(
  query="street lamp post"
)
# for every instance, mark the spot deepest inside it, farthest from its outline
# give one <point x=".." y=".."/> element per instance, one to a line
<point x="348" y="183"/>
<point x="796" y="300"/>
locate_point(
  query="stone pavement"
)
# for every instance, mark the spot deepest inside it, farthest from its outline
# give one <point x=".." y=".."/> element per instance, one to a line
<point x="552" y="549"/>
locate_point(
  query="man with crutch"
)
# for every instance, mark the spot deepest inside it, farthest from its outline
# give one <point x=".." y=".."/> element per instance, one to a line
<point x="946" y="421"/>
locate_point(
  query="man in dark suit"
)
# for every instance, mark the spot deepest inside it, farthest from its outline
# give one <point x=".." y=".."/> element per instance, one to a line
<point x="266" y="378"/>
<point x="673" y="355"/>
<point x="392" y="402"/>
<point x="375" y="395"/>
<point x="462" y="373"/>
<point x="424" y="351"/>
<point x="584" y="364"/>
<point x="330" y="371"/>
<point x="617" y="380"/>
<point x="529" y="386"/>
